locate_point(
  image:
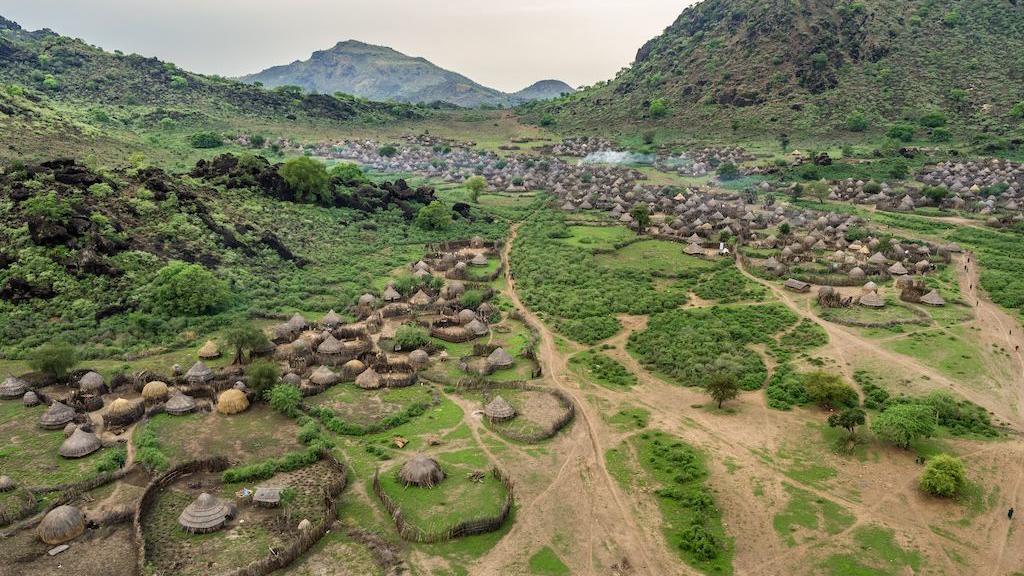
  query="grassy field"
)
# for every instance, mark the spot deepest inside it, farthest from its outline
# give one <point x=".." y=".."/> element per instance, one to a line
<point x="30" y="455"/>
<point x="598" y="237"/>
<point x="655" y="256"/>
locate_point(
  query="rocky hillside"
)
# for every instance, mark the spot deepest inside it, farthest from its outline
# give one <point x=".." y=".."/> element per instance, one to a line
<point x="809" y="65"/>
<point x="543" y="90"/>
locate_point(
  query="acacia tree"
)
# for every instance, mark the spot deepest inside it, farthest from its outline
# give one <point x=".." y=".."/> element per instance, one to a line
<point x="307" y="179"/>
<point x="901" y="424"/>
<point x="829" y="390"/>
<point x="944" y="476"/>
<point x="245" y="337"/>
<point x="848" y="419"/>
<point x="722" y="386"/>
<point x="476" y="186"/>
<point x="642" y="216"/>
<point x="54" y="358"/>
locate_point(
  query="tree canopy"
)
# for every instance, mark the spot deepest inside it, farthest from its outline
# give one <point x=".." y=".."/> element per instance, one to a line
<point x="188" y="289"/>
<point x="902" y="424"/>
<point x="308" y="179"/>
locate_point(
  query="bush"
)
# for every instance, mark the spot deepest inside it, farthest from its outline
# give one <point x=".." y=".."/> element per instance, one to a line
<point x="933" y="120"/>
<point x="147" y="449"/>
<point x="262" y="376"/>
<point x="471" y="299"/>
<point x="112" y="459"/>
<point x="857" y="122"/>
<point x="547" y="120"/>
<point x="697" y="540"/>
<point x="943" y="476"/>
<point x="901" y="132"/>
<point x="829" y="390"/>
<point x="902" y="424"/>
<point x="206" y="140"/>
<point x="728" y="171"/>
<point x="53" y="358"/>
<point x="268" y="468"/>
<point x="1018" y="110"/>
<point x="434" y="216"/>
<point x="188" y="289"/>
<point x="658" y="108"/>
<point x="50" y="83"/>
<point x="388" y="150"/>
<point x="410" y="337"/>
<point x="48" y="206"/>
<point x="286" y="399"/>
<point x="307" y="179"/>
<point x="179" y="82"/>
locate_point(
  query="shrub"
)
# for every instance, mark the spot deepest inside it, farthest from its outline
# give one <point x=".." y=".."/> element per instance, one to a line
<point x="307" y="179"/>
<point x="188" y="289"/>
<point x="943" y="476"/>
<point x="857" y="122"/>
<point x="728" y="171"/>
<point x="434" y="216"/>
<point x="100" y="190"/>
<point x="48" y="206"/>
<point x="53" y="358"/>
<point x="147" y="450"/>
<point x="872" y="187"/>
<point x="206" y="140"/>
<point x="658" y="108"/>
<point x="819" y="60"/>
<point x="941" y="135"/>
<point x="476" y="185"/>
<point x="933" y="120"/>
<point x="50" y="83"/>
<point x="547" y="120"/>
<point x="179" y="82"/>
<point x="268" y="468"/>
<point x="899" y="170"/>
<point x="410" y="337"/>
<point x="699" y="541"/>
<point x="951" y="18"/>
<point x="262" y="376"/>
<point x="285" y="398"/>
<point x="112" y="459"/>
<point x="388" y="150"/>
<point x="901" y="132"/>
<point x="902" y="424"/>
<point x="471" y="299"/>
<point x="829" y="390"/>
<point x="1018" y="110"/>
<point x="167" y="124"/>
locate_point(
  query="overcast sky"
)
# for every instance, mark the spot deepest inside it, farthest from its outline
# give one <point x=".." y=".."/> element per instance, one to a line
<point x="505" y="44"/>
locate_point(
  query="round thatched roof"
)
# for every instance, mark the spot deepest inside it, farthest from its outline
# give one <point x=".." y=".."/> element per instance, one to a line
<point x="466" y="316"/>
<point x="499" y="358"/>
<point x="367" y="299"/>
<point x="330" y="345"/>
<point x="421" y="470"/>
<point x="353" y="367"/>
<point x="933" y="299"/>
<point x="232" y="401"/>
<point x="30" y="399"/>
<point x="297" y="322"/>
<point x="13" y="388"/>
<point x="419" y="358"/>
<point x="180" y="404"/>
<point x="154" y="391"/>
<point x="872" y="300"/>
<point x="391" y="295"/>
<point x="70" y="429"/>
<point x="80" y="444"/>
<point x="476" y="242"/>
<point x="6" y="484"/>
<point x="332" y="319"/>
<point x="368" y="380"/>
<point x="121" y="407"/>
<point x="420" y="298"/>
<point x="857" y="273"/>
<point x="499" y="409"/>
<point x="479" y="260"/>
<point x="205" y="514"/>
<point x="91" y="382"/>
<point x="323" y="376"/>
<point x="292" y="379"/>
<point x="455" y="289"/>
<point x="56" y="416"/>
<point x="199" y="373"/>
<point x="60" y="525"/>
<point x="477" y="327"/>
<point x="209" y="350"/>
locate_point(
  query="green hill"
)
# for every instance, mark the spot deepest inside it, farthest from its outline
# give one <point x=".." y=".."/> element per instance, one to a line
<point x="768" y="66"/>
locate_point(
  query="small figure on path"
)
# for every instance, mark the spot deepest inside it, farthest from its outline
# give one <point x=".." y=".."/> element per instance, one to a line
<point x="1009" y="513"/>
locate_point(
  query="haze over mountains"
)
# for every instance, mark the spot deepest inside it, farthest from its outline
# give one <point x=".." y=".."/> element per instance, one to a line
<point x="382" y="73"/>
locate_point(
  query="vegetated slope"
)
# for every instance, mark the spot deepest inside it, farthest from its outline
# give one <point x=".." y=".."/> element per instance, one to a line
<point x="792" y="65"/>
<point x="543" y="90"/>
<point x="378" y="73"/>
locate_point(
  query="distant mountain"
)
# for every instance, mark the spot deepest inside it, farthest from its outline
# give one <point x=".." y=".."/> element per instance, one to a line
<point x="385" y="74"/>
<point x="543" y="90"/>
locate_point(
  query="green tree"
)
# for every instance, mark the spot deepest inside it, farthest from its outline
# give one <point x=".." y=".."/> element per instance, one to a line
<point x="902" y="424"/>
<point x="179" y="82"/>
<point x="857" y="122"/>
<point x="188" y="289"/>
<point x="286" y="399"/>
<point x="206" y="140"/>
<point x="819" y="189"/>
<point x="53" y="358"/>
<point x="829" y="390"/>
<point x="257" y="140"/>
<point x="434" y="216"/>
<point x="642" y="216"/>
<point x="728" y="171"/>
<point x="944" y="476"/>
<point x="658" y="108"/>
<point x="243" y="337"/>
<point x="935" y="193"/>
<point x="722" y="386"/>
<point x="308" y="179"/>
<point x="476" y="186"/>
<point x="547" y="120"/>
<point x="1018" y="110"/>
<point x="261" y="376"/>
<point x="409" y="337"/>
<point x="933" y="120"/>
<point x="388" y="150"/>
<point x="848" y="419"/>
<point x="349" y="174"/>
<point x="901" y="132"/>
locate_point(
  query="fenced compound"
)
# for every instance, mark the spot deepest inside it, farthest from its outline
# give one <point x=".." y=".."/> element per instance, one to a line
<point x="564" y="401"/>
<point x="472" y="527"/>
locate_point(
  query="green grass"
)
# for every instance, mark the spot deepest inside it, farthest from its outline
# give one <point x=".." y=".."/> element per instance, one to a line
<point x="629" y="419"/>
<point x="598" y="237"/>
<point x="948" y="351"/>
<point x="599" y="368"/>
<point x="877" y="554"/>
<point x="545" y="562"/>
<point x="660" y="257"/>
<point x="30" y="456"/>
<point x="812" y="513"/>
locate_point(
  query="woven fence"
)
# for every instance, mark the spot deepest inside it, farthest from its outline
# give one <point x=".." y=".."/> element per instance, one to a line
<point x="564" y="401"/>
<point x="68" y="493"/>
<point x="412" y="533"/>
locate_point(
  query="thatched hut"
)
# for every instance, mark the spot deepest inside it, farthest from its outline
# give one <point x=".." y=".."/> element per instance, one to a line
<point x="367" y="300"/>
<point x="331" y="346"/>
<point x="199" y="373"/>
<point x="232" y="401"/>
<point x="933" y="299"/>
<point x="465" y="316"/>
<point x="798" y="286"/>
<point x="6" y="484"/>
<point x="205" y="514"/>
<point x="419" y="358"/>
<point x="267" y="496"/>
<point x="420" y="298"/>
<point x="499" y="358"/>
<point x="693" y="249"/>
<point x="897" y="269"/>
<point x="477" y="328"/>
<point x="476" y="242"/>
<point x="331" y="319"/>
<point x="323" y="376"/>
<point x="422" y="471"/>
<point x="91" y="383"/>
<point x="80" y="444"/>
<point x="69" y="429"/>
<point x="499" y="410"/>
<point x="352" y="368"/>
<point x="391" y="295"/>
<point x="30" y="399"/>
<point x="12" y="388"/>
<point x="155" y="391"/>
<point x="60" y="525"/>
<point x="123" y="412"/>
<point x="180" y="404"/>
<point x="56" y="416"/>
<point x="872" y="300"/>
<point x="857" y="273"/>
<point x="369" y="379"/>
<point x="478" y="260"/>
<point x="209" y="350"/>
<point x="297" y="322"/>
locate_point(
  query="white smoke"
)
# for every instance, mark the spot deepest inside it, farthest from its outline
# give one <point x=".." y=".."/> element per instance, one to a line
<point x="617" y="157"/>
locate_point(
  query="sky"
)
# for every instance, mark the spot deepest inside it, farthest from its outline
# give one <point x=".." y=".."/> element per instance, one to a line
<point x="506" y="44"/>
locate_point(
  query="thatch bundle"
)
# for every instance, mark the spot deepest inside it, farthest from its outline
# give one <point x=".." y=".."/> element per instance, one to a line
<point x="56" y="416"/>
<point x="419" y="358"/>
<point x="70" y="429"/>
<point x="323" y="376"/>
<point x="80" y="444"/>
<point x="205" y="514"/>
<point x="209" y="351"/>
<point x="232" y="401"/>
<point x="180" y="404"/>
<point x="12" y="388"/>
<point x="368" y="380"/>
<point x="499" y="410"/>
<point x="123" y="412"/>
<point x="155" y="391"/>
<point x="421" y="470"/>
<point x="91" y="383"/>
<point x="60" y="525"/>
<point x="199" y="373"/>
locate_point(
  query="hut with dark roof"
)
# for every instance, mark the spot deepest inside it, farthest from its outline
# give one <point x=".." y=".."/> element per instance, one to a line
<point x="199" y="373"/>
<point x="80" y="444"/>
<point x="30" y="399"/>
<point x="499" y="358"/>
<point x="267" y="496"/>
<point x="12" y="388"/>
<point x="499" y="410"/>
<point x="56" y="416"/>
<point x="60" y="525"/>
<point x="180" y="404"/>
<point x="205" y="514"/>
<point x="91" y="383"/>
<point x="331" y="319"/>
<point x="422" y="471"/>
<point x="797" y="285"/>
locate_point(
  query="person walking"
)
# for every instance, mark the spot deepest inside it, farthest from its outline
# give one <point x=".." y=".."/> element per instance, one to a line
<point x="1009" y="513"/>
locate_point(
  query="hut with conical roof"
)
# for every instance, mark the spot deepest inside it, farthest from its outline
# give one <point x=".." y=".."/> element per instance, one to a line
<point x="420" y="298"/>
<point x="209" y="350"/>
<point x="422" y="471"/>
<point x="331" y="319"/>
<point x="80" y="444"/>
<point x="499" y="358"/>
<point x="6" y="484"/>
<point x="419" y="358"/>
<point x="872" y="300"/>
<point x="12" y="388"/>
<point x="499" y="410"/>
<point x="297" y="322"/>
<point x="155" y="391"/>
<point x="477" y="328"/>
<point x="56" y="416"/>
<point x="123" y="412"/>
<point x="60" y="525"/>
<point x="369" y="379"/>
<point x="91" y="383"/>
<point x="232" y="401"/>
<point x="331" y="346"/>
<point x="199" y="373"/>
<point x="933" y="299"/>
<point x="352" y="368"/>
<point x="391" y="295"/>
<point x="367" y="300"/>
<point x="693" y="249"/>
<point x="323" y="376"/>
<point x="897" y="269"/>
<point x="466" y="316"/>
<point x="180" y="404"/>
<point x="479" y="260"/>
<point x="205" y="514"/>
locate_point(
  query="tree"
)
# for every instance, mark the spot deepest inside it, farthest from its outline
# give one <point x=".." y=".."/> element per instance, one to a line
<point x="933" y="120"/>
<point x="857" y="122"/>
<point x="935" y="193"/>
<point x="728" y="171"/>
<point x="1018" y="110"/>
<point x="188" y="289"/>
<point x="784" y="141"/>
<point x="434" y="216"/>
<point x="902" y="424"/>
<point x="784" y="229"/>
<point x="642" y="216"/>
<point x="658" y="108"/>
<point x="796" y="191"/>
<point x="722" y="386"/>
<point x="262" y="376"/>
<point x="410" y="337"/>
<point x="285" y="398"/>
<point x="476" y="186"/>
<point x="388" y="150"/>
<point x="901" y="132"/>
<point x="257" y="140"/>
<point x="943" y="476"/>
<point x="307" y="178"/>
<point x="819" y="189"/>
<point x="349" y="173"/>
<point x="547" y="120"/>
<point x="242" y="337"/>
<point x="206" y="140"/>
<point x="829" y="390"/>
<point x="848" y="419"/>
<point x="53" y="358"/>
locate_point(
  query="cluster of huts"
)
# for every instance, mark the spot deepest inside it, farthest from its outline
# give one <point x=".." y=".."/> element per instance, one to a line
<point x="967" y="181"/>
<point x="696" y="163"/>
